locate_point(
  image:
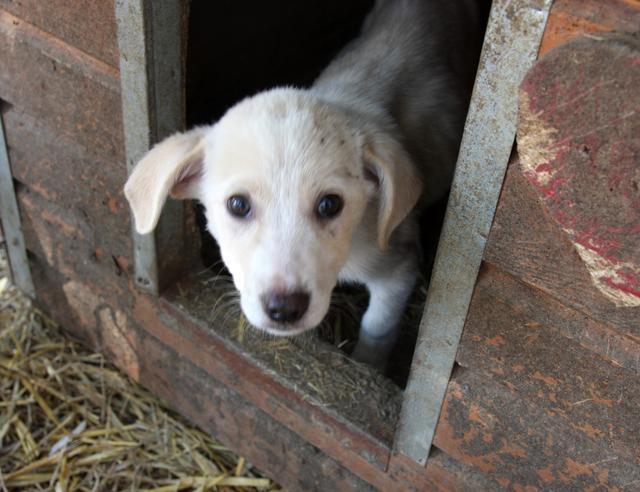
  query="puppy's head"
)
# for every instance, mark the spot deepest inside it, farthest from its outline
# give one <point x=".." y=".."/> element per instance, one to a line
<point x="285" y="180"/>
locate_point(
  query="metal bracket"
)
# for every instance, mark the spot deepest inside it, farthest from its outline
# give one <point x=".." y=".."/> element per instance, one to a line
<point x="511" y="44"/>
<point x="10" y="216"/>
<point x="152" y="41"/>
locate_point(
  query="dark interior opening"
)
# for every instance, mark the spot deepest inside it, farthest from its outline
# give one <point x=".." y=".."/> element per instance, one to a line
<point x="237" y="49"/>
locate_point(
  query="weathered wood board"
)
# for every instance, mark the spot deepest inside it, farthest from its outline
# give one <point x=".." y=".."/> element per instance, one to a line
<point x="88" y="26"/>
<point x="514" y="339"/>
<point x="519" y="445"/>
<point x="579" y="146"/>
<point x="64" y="174"/>
<point x="61" y="86"/>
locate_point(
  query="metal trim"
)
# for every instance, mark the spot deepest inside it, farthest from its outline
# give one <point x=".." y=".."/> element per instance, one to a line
<point x="151" y="40"/>
<point x="511" y="43"/>
<point x="11" y="226"/>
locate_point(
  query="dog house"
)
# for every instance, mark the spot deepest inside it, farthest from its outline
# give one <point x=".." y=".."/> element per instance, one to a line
<point x="526" y="372"/>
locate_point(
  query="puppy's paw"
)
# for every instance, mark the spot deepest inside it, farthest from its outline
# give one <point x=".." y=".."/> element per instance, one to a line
<point x="373" y="351"/>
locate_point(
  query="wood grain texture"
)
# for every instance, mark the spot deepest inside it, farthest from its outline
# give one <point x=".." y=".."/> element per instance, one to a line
<point x="570" y="19"/>
<point x="526" y="242"/>
<point x="61" y="86"/>
<point x="71" y="242"/>
<point x="512" y="338"/>
<point x="520" y="446"/>
<point x="87" y="25"/>
<point x="67" y="175"/>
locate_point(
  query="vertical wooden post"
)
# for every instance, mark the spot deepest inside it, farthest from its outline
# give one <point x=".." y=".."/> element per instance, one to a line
<point x="152" y="38"/>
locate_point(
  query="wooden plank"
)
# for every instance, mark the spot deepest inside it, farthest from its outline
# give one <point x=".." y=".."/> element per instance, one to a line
<point x="521" y="447"/>
<point x="514" y="336"/>
<point x="526" y="242"/>
<point x="331" y="433"/>
<point x="69" y="177"/>
<point x="442" y="473"/>
<point x="232" y="419"/>
<point x="88" y="26"/>
<point x="71" y="242"/>
<point x="570" y="19"/>
<point x="61" y="86"/>
<point x="152" y="39"/>
<point x="602" y="339"/>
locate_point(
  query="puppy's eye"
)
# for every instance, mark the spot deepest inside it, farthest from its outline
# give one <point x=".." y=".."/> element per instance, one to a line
<point x="329" y="206"/>
<point x="239" y="206"/>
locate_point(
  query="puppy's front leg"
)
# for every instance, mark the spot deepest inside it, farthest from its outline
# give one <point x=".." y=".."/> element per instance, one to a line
<point x="381" y="321"/>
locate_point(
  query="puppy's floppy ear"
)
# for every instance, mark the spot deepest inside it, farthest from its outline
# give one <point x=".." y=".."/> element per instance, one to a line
<point x="174" y="166"/>
<point x="389" y="165"/>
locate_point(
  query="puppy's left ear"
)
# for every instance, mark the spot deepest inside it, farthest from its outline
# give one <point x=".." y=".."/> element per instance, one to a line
<point x="400" y="186"/>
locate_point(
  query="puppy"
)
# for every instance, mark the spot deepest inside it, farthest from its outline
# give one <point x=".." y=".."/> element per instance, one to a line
<point x="305" y="188"/>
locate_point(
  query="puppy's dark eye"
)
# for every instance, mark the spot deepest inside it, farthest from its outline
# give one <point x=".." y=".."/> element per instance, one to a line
<point x="239" y="206"/>
<point x="329" y="206"/>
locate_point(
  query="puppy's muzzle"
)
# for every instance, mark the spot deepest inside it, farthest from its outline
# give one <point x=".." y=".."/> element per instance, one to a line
<point x="285" y="307"/>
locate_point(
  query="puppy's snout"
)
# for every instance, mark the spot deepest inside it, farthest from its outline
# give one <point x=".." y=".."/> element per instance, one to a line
<point x="285" y="307"/>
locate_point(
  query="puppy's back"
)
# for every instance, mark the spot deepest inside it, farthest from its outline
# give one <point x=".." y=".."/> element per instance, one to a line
<point x="411" y="70"/>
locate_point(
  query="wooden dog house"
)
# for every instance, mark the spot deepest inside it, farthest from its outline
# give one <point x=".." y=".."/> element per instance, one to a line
<point x="526" y="374"/>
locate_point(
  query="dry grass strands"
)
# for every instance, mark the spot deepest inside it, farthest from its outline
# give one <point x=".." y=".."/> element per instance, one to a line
<point x="70" y="421"/>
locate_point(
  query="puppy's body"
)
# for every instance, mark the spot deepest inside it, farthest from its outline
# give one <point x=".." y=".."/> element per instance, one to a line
<point x="381" y="124"/>
<point x="408" y="74"/>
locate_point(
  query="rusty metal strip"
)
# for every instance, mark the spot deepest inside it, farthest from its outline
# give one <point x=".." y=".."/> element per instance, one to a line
<point x="11" y="226"/>
<point x="511" y="43"/>
<point x="151" y="42"/>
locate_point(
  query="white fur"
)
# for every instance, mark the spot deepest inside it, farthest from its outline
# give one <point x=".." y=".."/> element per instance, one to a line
<point x="380" y="128"/>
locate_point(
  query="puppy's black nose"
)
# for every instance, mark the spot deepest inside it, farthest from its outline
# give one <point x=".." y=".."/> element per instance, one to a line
<point x="285" y="308"/>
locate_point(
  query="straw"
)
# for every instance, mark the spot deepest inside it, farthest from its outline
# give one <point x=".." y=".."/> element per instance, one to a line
<point x="70" y="421"/>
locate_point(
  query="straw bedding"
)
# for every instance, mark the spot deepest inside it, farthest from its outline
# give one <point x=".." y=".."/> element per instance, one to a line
<point x="71" y="421"/>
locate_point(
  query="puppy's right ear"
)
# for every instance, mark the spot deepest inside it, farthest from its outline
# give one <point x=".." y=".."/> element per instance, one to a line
<point x="174" y="166"/>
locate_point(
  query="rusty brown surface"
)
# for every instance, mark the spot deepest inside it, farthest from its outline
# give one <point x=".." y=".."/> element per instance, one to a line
<point x="603" y="340"/>
<point x="513" y="339"/>
<point x="520" y="446"/>
<point x="570" y="19"/>
<point x="89" y="26"/>
<point x="61" y="86"/>
<point x="441" y="473"/>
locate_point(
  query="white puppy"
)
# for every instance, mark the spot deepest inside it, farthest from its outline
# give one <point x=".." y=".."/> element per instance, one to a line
<point x="307" y="188"/>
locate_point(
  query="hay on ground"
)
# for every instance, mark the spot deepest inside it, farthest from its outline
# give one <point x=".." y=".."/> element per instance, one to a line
<point x="70" y="421"/>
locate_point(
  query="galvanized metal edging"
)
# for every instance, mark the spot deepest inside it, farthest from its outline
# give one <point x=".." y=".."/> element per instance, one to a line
<point x="11" y="226"/>
<point x="151" y="42"/>
<point x="512" y="39"/>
